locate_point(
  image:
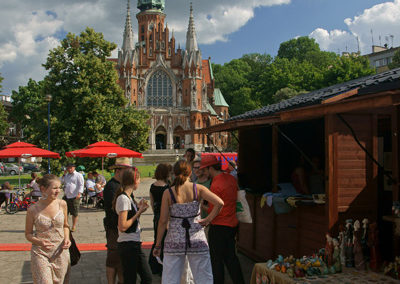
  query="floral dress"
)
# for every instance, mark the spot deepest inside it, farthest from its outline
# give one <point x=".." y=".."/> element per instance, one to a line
<point x="50" y="265"/>
<point x="185" y="235"/>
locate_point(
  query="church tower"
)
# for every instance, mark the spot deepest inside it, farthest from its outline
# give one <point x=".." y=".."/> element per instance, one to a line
<point x="174" y="85"/>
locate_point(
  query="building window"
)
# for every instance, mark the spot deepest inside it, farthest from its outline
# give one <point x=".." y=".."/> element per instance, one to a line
<point x="159" y="90"/>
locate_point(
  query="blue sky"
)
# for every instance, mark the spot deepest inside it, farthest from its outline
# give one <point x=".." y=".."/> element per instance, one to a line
<point x="226" y="29"/>
<point x="274" y="25"/>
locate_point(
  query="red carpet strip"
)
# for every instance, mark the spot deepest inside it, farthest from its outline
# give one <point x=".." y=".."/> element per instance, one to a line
<point x="81" y="247"/>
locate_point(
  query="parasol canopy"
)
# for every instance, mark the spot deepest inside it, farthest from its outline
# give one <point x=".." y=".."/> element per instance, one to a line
<point x="25" y="150"/>
<point x="104" y="149"/>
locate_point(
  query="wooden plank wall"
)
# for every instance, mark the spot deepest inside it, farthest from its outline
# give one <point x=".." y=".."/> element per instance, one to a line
<point x="300" y="232"/>
<point x="356" y="179"/>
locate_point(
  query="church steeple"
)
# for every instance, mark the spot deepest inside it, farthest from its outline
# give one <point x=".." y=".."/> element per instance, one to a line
<point x="127" y="44"/>
<point x="191" y="39"/>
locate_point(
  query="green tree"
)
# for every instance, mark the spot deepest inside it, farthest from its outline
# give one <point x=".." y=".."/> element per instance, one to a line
<point x="396" y="60"/>
<point x="87" y="102"/>
<point x="300" y="48"/>
<point x="284" y="94"/>
<point x="347" y="68"/>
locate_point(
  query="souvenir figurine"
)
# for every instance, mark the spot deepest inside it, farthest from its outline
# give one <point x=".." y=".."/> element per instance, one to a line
<point x="373" y="243"/>
<point x="349" y="243"/>
<point x="342" y="245"/>
<point x="337" y="262"/>
<point x="364" y="240"/>
<point x="357" y="248"/>
<point x="328" y="250"/>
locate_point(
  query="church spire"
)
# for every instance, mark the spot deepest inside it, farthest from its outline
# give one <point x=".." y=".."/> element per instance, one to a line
<point x="128" y="33"/>
<point x="191" y="39"/>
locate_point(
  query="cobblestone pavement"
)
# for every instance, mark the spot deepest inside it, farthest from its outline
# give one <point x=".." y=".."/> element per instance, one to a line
<point x="15" y="266"/>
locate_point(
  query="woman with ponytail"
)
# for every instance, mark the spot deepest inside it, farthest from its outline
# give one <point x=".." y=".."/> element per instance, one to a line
<point x="185" y="237"/>
<point x="129" y="241"/>
<point x="50" y="260"/>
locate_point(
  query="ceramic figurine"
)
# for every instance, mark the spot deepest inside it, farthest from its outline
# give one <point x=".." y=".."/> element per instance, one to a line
<point x="373" y="243"/>
<point x="337" y="262"/>
<point x="364" y="240"/>
<point x="357" y="248"/>
<point x="328" y="250"/>
<point x="349" y="243"/>
<point x="342" y="245"/>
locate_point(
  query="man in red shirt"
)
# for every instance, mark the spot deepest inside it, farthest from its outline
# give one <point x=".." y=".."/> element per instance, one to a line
<point x="222" y="232"/>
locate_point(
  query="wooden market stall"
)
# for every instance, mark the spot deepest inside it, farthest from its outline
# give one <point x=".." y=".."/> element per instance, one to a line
<point x="351" y="128"/>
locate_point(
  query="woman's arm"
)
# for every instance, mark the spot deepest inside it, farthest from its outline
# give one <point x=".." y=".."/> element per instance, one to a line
<point x="29" y="231"/>
<point x="123" y="223"/>
<point x="67" y="241"/>
<point x="151" y="201"/>
<point x="162" y="223"/>
<point x="206" y="194"/>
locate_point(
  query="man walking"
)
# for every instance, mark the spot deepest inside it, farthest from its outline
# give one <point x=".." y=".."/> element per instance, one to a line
<point x="73" y="189"/>
<point x="113" y="262"/>
<point x="222" y="232"/>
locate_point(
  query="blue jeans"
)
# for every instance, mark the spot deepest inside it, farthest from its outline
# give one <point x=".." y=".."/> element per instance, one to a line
<point x="134" y="262"/>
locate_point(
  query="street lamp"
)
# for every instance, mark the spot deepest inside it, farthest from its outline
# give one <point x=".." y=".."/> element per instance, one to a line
<point x="48" y="99"/>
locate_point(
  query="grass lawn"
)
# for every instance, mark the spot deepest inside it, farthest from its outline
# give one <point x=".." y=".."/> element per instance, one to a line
<point x="145" y="172"/>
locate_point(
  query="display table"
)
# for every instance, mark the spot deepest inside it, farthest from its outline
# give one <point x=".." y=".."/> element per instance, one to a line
<point x="263" y="275"/>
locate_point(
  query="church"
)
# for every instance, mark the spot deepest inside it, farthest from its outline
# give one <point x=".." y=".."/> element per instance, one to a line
<point x="175" y="85"/>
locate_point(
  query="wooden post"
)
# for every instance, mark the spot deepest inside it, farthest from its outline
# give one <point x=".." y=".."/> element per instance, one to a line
<point x="395" y="151"/>
<point x="275" y="162"/>
<point x="330" y="172"/>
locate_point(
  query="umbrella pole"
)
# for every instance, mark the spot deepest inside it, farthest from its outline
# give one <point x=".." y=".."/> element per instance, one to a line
<point x="19" y="173"/>
<point x="102" y="166"/>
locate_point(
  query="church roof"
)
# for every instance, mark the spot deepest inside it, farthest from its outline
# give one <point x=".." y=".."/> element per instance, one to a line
<point x="212" y="111"/>
<point x="219" y="99"/>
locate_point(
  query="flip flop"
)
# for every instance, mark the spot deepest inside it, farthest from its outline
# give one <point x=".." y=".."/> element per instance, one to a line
<point x="73" y="230"/>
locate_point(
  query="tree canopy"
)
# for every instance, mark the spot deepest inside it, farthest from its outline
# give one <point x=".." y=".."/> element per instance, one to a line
<point x="256" y="80"/>
<point x="396" y="60"/>
<point x="87" y="103"/>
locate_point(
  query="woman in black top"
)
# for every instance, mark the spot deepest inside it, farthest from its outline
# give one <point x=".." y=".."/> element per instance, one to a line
<point x="162" y="174"/>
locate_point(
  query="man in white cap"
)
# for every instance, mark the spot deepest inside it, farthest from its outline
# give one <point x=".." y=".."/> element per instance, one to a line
<point x="113" y="262"/>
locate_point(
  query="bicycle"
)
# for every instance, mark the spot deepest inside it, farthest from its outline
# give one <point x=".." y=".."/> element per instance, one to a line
<point x="16" y="204"/>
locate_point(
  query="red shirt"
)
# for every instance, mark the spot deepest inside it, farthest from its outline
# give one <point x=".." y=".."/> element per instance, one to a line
<point x="225" y="186"/>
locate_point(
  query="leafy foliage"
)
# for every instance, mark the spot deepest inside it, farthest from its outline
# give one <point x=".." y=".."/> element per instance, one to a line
<point x="87" y="103"/>
<point x="257" y="80"/>
<point x="396" y="60"/>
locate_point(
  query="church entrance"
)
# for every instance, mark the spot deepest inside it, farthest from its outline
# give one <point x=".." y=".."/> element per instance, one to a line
<point x="161" y="138"/>
<point x="179" y="138"/>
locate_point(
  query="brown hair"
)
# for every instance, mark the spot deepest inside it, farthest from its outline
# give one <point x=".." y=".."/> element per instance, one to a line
<point x="182" y="170"/>
<point x="33" y="176"/>
<point x="162" y="172"/>
<point x="47" y="180"/>
<point x="192" y="153"/>
<point x="129" y="178"/>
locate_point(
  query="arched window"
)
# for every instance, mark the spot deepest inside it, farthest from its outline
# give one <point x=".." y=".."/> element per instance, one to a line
<point x="159" y="90"/>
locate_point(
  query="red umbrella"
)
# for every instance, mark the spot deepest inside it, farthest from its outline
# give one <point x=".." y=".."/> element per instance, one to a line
<point x="22" y="149"/>
<point x="25" y="150"/>
<point x="104" y="149"/>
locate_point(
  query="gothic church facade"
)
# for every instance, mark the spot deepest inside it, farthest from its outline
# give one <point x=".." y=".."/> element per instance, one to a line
<point x="176" y="86"/>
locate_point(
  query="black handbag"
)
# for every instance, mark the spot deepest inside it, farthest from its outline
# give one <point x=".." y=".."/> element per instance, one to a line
<point x="74" y="252"/>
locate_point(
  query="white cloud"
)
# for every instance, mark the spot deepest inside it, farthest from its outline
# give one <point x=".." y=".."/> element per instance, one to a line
<point x="31" y="28"/>
<point x="384" y="21"/>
